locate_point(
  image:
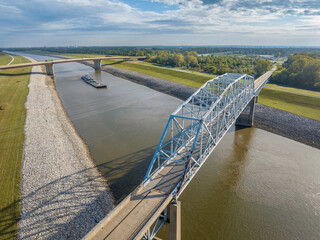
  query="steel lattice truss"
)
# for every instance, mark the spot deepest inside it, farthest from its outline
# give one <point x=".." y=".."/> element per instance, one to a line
<point x="197" y="126"/>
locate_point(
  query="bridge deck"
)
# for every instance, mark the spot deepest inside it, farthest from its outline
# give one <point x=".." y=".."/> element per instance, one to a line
<point x="61" y="61"/>
<point x="262" y="79"/>
<point x="136" y="211"/>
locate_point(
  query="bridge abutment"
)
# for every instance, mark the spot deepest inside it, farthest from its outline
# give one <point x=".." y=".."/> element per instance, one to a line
<point x="246" y="118"/>
<point x="97" y="64"/>
<point x="175" y="221"/>
<point x="50" y="69"/>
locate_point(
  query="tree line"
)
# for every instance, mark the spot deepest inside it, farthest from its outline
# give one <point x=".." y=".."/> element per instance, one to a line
<point x="142" y="51"/>
<point x="210" y="63"/>
<point x="300" y="70"/>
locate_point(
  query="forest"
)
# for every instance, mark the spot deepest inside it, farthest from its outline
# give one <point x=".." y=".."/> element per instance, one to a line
<point x="301" y="70"/>
<point x="140" y="51"/>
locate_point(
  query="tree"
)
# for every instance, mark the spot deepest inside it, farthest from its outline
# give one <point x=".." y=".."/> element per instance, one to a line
<point x="191" y="61"/>
<point x="178" y="60"/>
<point x="261" y="67"/>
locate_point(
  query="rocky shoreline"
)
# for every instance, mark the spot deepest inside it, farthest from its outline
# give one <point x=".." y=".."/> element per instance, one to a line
<point x="289" y="125"/>
<point x="61" y="189"/>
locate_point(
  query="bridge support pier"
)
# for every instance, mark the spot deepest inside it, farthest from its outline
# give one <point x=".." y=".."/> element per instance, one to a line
<point x="175" y="221"/>
<point x="246" y="118"/>
<point x="50" y="69"/>
<point x="97" y="64"/>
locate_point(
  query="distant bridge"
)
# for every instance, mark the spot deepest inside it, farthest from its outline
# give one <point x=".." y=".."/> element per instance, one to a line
<point x="49" y="64"/>
<point x="191" y="134"/>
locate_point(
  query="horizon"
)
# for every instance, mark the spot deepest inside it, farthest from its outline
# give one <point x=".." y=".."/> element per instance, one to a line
<point x="169" y="46"/>
<point x="159" y="22"/>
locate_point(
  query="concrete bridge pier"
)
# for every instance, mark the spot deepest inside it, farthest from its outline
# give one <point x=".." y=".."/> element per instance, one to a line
<point x="246" y="118"/>
<point x="50" y="69"/>
<point x="175" y="221"/>
<point x="97" y="64"/>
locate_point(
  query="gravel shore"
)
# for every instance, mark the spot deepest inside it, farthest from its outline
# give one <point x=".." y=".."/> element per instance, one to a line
<point x="289" y="125"/>
<point x="174" y="89"/>
<point x="286" y="124"/>
<point x="63" y="196"/>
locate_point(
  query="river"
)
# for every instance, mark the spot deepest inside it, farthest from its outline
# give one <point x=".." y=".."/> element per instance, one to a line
<point x="255" y="184"/>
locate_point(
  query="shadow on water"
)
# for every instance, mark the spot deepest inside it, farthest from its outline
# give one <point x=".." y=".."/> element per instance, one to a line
<point x="127" y="172"/>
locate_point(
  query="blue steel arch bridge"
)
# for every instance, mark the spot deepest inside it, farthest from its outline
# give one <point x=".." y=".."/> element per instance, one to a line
<point x="191" y="134"/>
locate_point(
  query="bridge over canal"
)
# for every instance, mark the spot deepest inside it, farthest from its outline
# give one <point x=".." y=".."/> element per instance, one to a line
<point x="49" y="64"/>
<point x="191" y="134"/>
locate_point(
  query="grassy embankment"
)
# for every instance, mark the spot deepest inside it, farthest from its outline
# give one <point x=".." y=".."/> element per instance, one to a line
<point x="297" y="101"/>
<point x="13" y="94"/>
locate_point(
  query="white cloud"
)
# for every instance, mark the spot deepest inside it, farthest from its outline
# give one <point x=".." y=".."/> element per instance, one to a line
<point x="195" y="18"/>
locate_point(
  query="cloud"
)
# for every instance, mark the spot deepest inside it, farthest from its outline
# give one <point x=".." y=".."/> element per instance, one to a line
<point x="230" y="18"/>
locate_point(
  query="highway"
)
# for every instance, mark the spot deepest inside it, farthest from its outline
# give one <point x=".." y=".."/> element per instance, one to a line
<point x="63" y="61"/>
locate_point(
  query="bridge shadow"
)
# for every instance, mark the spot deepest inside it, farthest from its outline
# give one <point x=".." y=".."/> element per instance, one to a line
<point x="66" y="208"/>
<point x="125" y="173"/>
<point x="117" y="62"/>
<point x="21" y="74"/>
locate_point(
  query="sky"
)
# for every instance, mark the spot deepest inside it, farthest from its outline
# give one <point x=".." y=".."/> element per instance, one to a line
<point x="38" y="23"/>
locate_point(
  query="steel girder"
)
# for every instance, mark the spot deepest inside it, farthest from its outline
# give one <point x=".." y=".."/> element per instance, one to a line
<point x="197" y="126"/>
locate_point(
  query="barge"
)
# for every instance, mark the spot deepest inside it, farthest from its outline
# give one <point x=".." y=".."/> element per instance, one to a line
<point x="86" y="78"/>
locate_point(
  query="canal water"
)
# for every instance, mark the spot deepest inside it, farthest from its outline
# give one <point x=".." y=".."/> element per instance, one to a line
<point x="255" y="184"/>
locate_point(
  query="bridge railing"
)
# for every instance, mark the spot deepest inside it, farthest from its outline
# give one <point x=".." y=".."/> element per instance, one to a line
<point x="196" y="127"/>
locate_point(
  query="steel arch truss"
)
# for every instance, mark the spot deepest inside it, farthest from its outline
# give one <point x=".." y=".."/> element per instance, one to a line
<point x="197" y="126"/>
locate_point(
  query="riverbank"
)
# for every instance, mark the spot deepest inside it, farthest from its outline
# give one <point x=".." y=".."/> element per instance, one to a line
<point x="286" y="124"/>
<point x="63" y="196"/>
<point x="301" y="129"/>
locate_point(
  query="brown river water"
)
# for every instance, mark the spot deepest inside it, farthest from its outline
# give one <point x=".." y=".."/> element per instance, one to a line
<point x="255" y="184"/>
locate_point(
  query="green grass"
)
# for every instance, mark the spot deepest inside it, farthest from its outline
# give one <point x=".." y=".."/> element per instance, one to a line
<point x="190" y="79"/>
<point x="293" y="90"/>
<point x="306" y="106"/>
<point x="79" y="55"/>
<point x="13" y="94"/>
<point x="4" y="59"/>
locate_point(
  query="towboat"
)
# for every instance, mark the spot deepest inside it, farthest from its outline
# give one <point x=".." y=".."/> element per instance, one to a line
<point x="86" y="78"/>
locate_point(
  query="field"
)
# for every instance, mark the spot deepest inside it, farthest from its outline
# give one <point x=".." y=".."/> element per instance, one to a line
<point x="190" y="79"/>
<point x="297" y="101"/>
<point x="293" y="90"/>
<point x="13" y="93"/>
